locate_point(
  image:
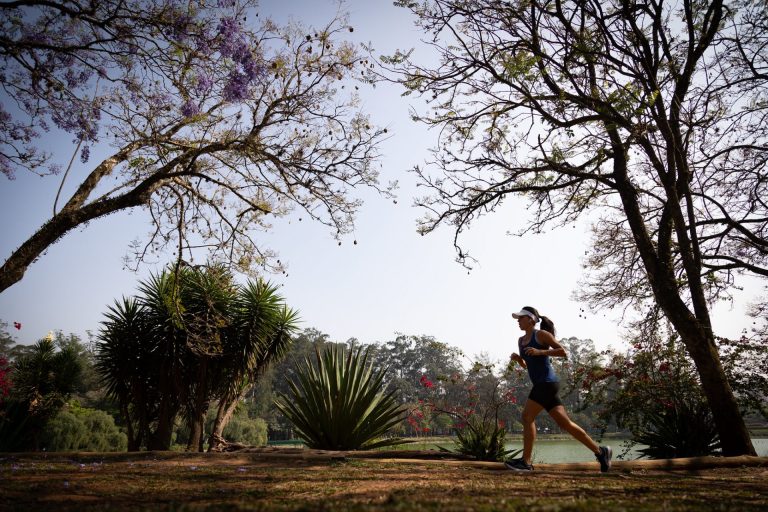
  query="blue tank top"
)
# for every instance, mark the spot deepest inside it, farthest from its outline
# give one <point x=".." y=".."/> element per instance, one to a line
<point x="539" y="367"/>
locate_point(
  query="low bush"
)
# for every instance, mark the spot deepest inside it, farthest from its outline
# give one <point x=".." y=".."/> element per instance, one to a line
<point x="80" y="429"/>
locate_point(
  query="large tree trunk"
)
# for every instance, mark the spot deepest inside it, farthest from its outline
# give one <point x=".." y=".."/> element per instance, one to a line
<point x="196" y="430"/>
<point x="198" y="409"/>
<point x="224" y="413"/>
<point x="76" y="213"/>
<point x="699" y="341"/>
<point x="161" y="437"/>
<point x="694" y="330"/>
<point x="16" y="265"/>
<point x="133" y="445"/>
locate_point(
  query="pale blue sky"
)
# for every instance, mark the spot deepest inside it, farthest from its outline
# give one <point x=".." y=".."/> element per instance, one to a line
<point x="393" y="280"/>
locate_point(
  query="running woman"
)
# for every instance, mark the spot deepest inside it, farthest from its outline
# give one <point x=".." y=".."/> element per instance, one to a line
<point x="535" y="348"/>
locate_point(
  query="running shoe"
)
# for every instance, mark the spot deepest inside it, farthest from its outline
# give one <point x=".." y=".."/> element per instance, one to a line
<point x="604" y="458"/>
<point x="518" y="465"/>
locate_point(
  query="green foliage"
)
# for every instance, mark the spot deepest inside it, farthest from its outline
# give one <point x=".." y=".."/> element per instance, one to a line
<point x="194" y="337"/>
<point x="483" y="440"/>
<point x="262" y="397"/>
<point x="519" y="65"/>
<point x="43" y="380"/>
<point x="46" y="373"/>
<point x="683" y="430"/>
<point x="80" y="429"/>
<point x="6" y="341"/>
<point x="654" y="393"/>
<point x="338" y="403"/>
<point x="244" y="430"/>
<point x="410" y="357"/>
<point x="745" y="362"/>
<point x="241" y="429"/>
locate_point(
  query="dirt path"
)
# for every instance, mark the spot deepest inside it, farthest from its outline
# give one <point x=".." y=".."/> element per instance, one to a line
<point x="293" y="479"/>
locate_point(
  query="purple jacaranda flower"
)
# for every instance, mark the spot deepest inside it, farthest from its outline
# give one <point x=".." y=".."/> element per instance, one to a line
<point x="179" y="31"/>
<point x="85" y="154"/>
<point x="33" y="34"/>
<point x="253" y="69"/>
<point x="236" y="88"/>
<point x="232" y="42"/>
<point x="204" y="83"/>
<point x="160" y="101"/>
<point x="6" y="168"/>
<point x="190" y="108"/>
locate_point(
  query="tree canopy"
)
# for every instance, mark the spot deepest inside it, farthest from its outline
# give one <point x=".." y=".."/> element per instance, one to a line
<point x="194" y="338"/>
<point x="650" y="116"/>
<point x="215" y="120"/>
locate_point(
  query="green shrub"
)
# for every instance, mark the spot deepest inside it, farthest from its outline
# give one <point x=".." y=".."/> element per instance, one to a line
<point x="88" y="430"/>
<point x="240" y="429"/>
<point x="338" y="404"/>
<point x="245" y="430"/>
<point x="483" y="440"/>
<point x="683" y="429"/>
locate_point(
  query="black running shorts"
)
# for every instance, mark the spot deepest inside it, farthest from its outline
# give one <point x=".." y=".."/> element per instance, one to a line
<point x="545" y="394"/>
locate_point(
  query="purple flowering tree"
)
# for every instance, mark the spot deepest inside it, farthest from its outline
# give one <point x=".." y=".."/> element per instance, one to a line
<point x="217" y="120"/>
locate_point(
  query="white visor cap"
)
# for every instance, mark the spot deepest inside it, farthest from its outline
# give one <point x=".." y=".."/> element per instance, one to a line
<point x="525" y="312"/>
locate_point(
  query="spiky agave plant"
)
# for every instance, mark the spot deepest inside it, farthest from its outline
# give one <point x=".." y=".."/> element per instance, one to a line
<point x="339" y="404"/>
<point x="685" y="429"/>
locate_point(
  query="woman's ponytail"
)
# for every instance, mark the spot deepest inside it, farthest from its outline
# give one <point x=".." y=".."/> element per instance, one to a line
<point x="547" y="325"/>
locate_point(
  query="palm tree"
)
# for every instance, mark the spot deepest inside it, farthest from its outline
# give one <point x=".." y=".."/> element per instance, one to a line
<point x="126" y="360"/>
<point x="203" y="338"/>
<point x="207" y="297"/>
<point x="261" y="334"/>
<point x="43" y="380"/>
<point x="163" y="307"/>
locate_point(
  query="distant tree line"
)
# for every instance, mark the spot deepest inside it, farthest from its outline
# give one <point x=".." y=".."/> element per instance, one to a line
<point x="58" y="401"/>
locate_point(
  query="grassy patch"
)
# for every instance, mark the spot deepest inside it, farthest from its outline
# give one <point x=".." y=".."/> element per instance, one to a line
<point x="241" y="482"/>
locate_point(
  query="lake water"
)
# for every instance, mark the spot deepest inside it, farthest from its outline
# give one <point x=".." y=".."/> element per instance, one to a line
<point x="552" y="451"/>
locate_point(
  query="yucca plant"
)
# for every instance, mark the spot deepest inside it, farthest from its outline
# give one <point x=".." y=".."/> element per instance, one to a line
<point x="339" y="404"/>
<point x="682" y="430"/>
<point x="483" y="440"/>
<point x="191" y="339"/>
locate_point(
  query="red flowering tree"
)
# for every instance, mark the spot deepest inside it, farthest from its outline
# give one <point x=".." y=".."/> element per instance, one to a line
<point x="475" y="404"/>
<point x="5" y="379"/>
<point x="653" y="392"/>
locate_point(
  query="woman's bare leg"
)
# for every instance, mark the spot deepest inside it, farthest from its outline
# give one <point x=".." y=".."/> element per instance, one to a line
<point x="530" y="411"/>
<point x="564" y="422"/>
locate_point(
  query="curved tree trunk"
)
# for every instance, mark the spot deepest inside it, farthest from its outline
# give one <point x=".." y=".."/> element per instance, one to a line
<point x="734" y="436"/>
<point x="695" y="330"/>
<point x="76" y="213"/>
<point x="224" y="412"/>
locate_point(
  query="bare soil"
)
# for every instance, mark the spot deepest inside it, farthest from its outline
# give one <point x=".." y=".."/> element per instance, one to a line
<point x="301" y="479"/>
